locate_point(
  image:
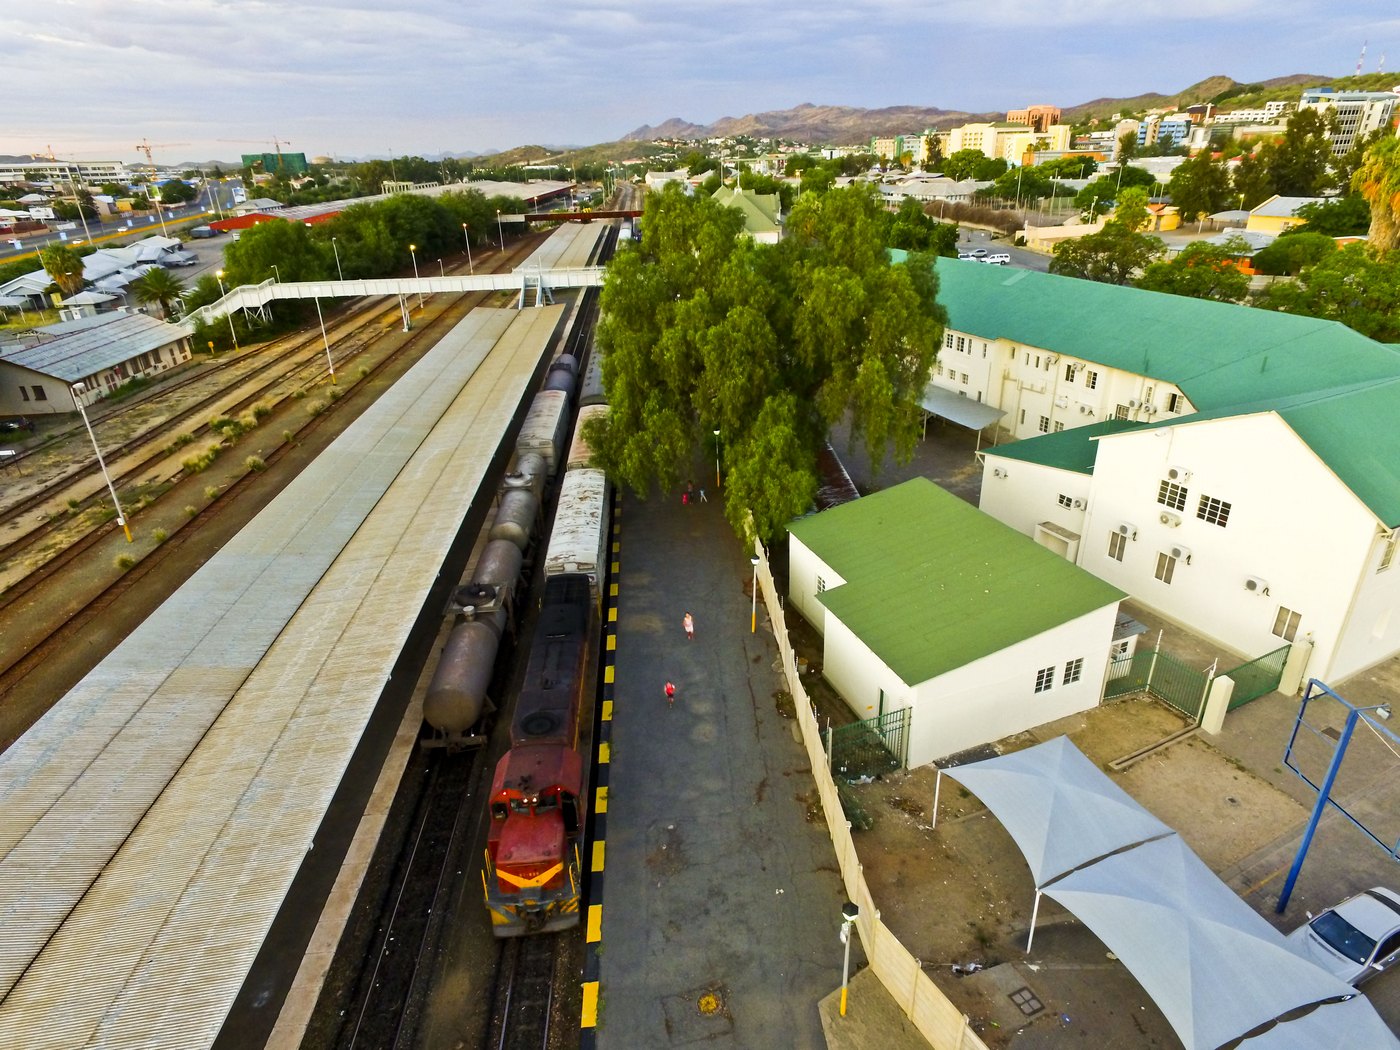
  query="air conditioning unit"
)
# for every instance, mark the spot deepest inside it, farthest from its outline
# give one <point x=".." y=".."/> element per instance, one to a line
<point x="1151" y="410"/>
<point x="997" y="472"/>
<point x="1128" y="529"/>
<point x="1182" y="554"/>
<point x="1133" y="402"/>
<point x="1083" y="409"/>
<point x="1255" y="584"/>
<point x="1052" y="359"/>
<point x="1178" y="474"/>
<point x="1169" y="519"/>
<point x="1079" y="504"/>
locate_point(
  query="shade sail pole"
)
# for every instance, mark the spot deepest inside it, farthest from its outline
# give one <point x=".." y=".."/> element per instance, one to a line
<point x="937" y="783"/>
<point x="1035" y="910"/>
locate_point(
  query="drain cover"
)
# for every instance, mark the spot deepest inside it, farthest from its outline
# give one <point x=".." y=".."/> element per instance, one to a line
<point x="1026" y="1001"/>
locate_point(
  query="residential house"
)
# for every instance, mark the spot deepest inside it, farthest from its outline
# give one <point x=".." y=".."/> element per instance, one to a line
<point x="1278" y="214"/>
<point x="761" y="212"/>
<point x="924" y="602"/>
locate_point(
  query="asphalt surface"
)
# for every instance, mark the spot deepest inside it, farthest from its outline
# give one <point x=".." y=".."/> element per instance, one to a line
<point x="717" y="885"/>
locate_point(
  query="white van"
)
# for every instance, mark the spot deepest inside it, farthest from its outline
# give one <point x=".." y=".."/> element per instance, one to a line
<point x="999" y="259"/>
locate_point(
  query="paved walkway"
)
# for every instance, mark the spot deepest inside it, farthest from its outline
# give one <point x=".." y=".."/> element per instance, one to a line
<point x="722" y="902"/>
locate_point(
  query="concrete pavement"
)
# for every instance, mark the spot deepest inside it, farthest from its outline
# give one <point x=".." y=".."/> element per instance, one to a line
<point x="722" y="901"/>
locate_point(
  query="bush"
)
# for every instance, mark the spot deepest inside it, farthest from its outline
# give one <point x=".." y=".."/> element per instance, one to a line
<point x="363" y="371"/>
<point x="74" y="504"/>
<point x="180" y="442"/>
<point x="335" y="393"/>
<point x="298" y="394"/>
<point x="194" y="464"/>
<point x="160" y="535"/>
<point x="255" y="463"/>
<point x="262" y="410"/>
<point x="287" y="436"/>
<point x="315" y="408"/>
<point x="124" y="562"/>
<point x="211" y="491"/>
<point x="191" y="510"/>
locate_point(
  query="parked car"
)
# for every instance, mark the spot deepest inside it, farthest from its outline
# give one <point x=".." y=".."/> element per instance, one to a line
<point x="1355" y="940"/>
<point x="999" y="259"/>
<point x="15" y="425"/>
<point x="978" y="253"/>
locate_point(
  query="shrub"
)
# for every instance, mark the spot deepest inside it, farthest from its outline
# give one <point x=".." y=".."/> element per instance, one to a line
<point x="211" y="491"/>
<point x="255" y="463"/>
<point x="160" y="535"/>
<point x="191" y="510"/>
<point x="124" y="562"/>
<point x="315" y="408"/>
<point x="363" y="372"/>
<point x="335" y="393"/>
<point x="287" y="436"/>
<point x="73" y="504"/>
<point x="262" y="410"/>
<point x="194" y="464"/>
<point x="298" y="394"/>
<point x="247" y="421"/>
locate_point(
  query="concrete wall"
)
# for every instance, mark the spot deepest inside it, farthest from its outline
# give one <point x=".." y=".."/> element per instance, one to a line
<point x="24" y="392"/>
<point x="1027" y="494"/>
<point x="804" y="571"/>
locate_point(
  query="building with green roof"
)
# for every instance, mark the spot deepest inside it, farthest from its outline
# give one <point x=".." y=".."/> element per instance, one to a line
<point x="1054" y="353"/>
<point x="925" y="602"/>
<point x="761" y="212"/>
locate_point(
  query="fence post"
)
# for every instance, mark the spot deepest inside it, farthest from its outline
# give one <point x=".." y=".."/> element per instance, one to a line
<point x="1217" y="702"/>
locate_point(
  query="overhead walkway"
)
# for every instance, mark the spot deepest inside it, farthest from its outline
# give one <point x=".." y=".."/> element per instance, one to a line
<point x="152" y="822"/>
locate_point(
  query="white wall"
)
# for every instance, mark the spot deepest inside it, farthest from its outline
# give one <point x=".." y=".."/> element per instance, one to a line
<point x="57" y="397"/>
<point x="981" y="701"/>
<point x="1030" y="493"/>
<point x="804" y="570"/>
<point x="1292" y="523"/>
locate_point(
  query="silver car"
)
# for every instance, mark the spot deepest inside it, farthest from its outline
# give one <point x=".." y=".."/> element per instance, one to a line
<point x="1355" y="940"/>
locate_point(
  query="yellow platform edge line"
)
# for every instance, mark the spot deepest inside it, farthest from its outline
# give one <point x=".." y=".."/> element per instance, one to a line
<point x="595" y="923"/>
<point x="607" y="710"/>
<point x="599" y="853"/>
<point x="590" y="1005"/>
<point x="604" y="752"/>
<point x="600" y="800"/>
<point x="612" y="643"/>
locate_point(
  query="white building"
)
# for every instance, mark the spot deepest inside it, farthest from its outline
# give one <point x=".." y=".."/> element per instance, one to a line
<point x="926" y="603"/>
<point x="1358" y="113"/>
<point x="1255" y="525"/>
<point x="65" y="171"/>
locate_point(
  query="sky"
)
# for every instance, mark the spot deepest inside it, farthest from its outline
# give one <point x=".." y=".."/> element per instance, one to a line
<point x="211" y="79"/>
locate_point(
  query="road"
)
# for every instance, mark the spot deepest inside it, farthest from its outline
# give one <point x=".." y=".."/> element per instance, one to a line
<point x="970" y="238"/>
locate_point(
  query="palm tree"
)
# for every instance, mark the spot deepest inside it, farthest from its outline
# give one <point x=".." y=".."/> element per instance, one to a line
<point x="1378" y="180"/>
<point x="158" y="286"/>
<point x="65" y="267"/>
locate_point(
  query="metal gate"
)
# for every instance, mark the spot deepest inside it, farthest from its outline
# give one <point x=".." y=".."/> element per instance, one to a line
<point x="864" y="750"/>
<point x="1161" y="676"/>
<point x="1257" y="677"/>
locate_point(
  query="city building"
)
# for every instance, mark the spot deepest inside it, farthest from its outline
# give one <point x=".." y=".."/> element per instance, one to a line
<point x="1164" y="129"/>
<point x="892" y="148"/>
<point x="1037" y="118"/>
<point x="925" y="603"/>
<point x="278" y="163"/>
<point x="988" y="139"/>
<point x="1357" y="113"/>
<point x="761" y="212"/>
<point x="64" y="171"/>
<point x="1278" y="214"/>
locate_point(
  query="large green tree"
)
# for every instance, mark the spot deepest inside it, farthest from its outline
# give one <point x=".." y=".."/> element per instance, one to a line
<point x="1253" y="182"/>
<point x="158" y="286"/>
<point x="1300" y="163"/>
<point x="1200" y="186"/>
<point x="1201" y="271"/>
<point x="1348" y="216"/>
<point x="1378" y="180"/>
<point x="1352" y="285"/>
<point x="1292" y="252"/>
<point x="65" y="266"/>
<point x="1113" y="255"/>
<point x="285" y="245"/>
<point x="1100" y="194"/>
<point x="914" y="230"/>
<point x="704" y="330"/>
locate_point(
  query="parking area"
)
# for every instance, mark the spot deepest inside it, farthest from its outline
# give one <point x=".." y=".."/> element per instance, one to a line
<point x="962" y="893"/>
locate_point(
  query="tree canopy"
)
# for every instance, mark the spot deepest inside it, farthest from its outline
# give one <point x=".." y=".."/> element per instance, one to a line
<point x="1351" y="285"/>
<point x="704" y="330"/>
<point x="1378" y="181"/>
<point x="973" y="164"/>
<point x="158" y="286"/>
<point x="1293" y="251"/>
<point x="65" y="266"/>
<point x="1201" y="271"/>
<point x="915" y="231"/>
<point x="1100" y="194"/>
<point x="1200" y="186"/>
<point x="1114" y="255"/>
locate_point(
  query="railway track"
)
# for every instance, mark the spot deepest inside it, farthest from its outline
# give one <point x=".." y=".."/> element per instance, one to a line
<point x="525" y="984"/>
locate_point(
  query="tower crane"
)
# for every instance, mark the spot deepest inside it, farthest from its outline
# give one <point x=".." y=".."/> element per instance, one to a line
<point x="147" y="147"/>
<point x="277" y="144"/>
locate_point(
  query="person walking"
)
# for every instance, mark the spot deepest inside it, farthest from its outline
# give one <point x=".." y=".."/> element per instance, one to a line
<point x="670" y="694"/>
<point x="689" y="624"/>
<point x="702" y="497"/>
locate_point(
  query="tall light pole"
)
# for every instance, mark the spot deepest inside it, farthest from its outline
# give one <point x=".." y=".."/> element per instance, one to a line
<point x="219" y="276"/>
<point x="500" y="233"/>
<point x="78" y="389"/>
<point x="330" y="363"/>
<point x="159" y="214"/>
<point x="276" y="273"/>
<point x="716" y="459"/>
<point x="442" y="267"/>
<point x="338" y="271"/>
<point x="849" y="913"/>
<point x="468" y="238"/>
<point x="413" y="252"/>
<point x="753" y="605"/>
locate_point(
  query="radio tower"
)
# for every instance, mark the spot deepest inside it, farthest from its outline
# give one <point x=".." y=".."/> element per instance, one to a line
<point x="1362" y="57"/>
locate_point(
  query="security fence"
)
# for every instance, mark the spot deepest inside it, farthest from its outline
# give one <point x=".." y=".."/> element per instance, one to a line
<point x="1257" y="677"/>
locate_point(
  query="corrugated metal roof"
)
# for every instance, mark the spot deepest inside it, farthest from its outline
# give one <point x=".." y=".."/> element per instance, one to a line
<point x="226" y="721"/>
<point x="932" y="583"/>
<point x="90" y="344"/>
<point x="1073" y="449"/>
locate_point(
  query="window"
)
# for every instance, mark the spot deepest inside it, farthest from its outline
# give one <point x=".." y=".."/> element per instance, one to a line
<point x="1073" y="670"/>
<point x="1166" y="565"/>
<point x="948" y="340"/>
<point x="39" y="394"/>
<point x="940" y="369"/>
<point x="1286" y="623"/>
<point x="1117" y="544"/>
<point x="821" y="585"/>
<point x="1170" y="494"/>
<point x="1069" y="373"/>
<point x="1119" y="650"/>
<point x="964" y="377"/>
<point x="1023" y="417"/>
<point x="1175" y="402"/>
<point x="1045" y="424"/>
<point x="962" y="344"/>
<point x="1091" y="379"/>
<point x="24" y="393"/>
<point x="984" y="351"/>
<point x="1044" y="679"/>
<point x="1064" y="500"/>
<point x="1213" y="511"/>
<point x="1121" y="412"/>
<point x="1388" y="551"/>
<point x="1059" y="426"/>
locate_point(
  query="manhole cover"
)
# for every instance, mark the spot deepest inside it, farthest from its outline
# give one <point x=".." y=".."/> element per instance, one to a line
<point x="698" y="1015"/>
<point x="709" y="1003"/>
<point x="1026" y="1001"/>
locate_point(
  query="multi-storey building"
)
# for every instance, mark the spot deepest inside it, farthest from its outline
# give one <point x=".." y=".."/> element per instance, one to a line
<point x="65" y="171"/>
<point x="1037" y="118"/>
<point x="1357" y="113"/>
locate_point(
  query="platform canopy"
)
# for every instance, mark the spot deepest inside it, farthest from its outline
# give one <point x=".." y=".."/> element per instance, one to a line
<point x="961" y="410"/>
<point x="1213" y="966"/>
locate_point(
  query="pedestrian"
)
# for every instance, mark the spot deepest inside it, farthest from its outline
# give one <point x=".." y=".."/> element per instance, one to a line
<point x="670" y="694"/>
<point x="689" y="492"/>
<point x="689" y="624"/>
<point x="702" y="497"/>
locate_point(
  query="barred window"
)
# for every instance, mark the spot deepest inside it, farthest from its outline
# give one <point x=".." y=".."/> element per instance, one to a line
<point x="1044" y="679"/>
<point x="1045" y="424"/>
<point x="1059" y="426"/>
<point x="1170" y="494"/>
<point x="1214" y="511"/>
<point x="1388" y="551"/>
<point x="948" y="340"/>
<point x="1065" y="501"/>
<point x="1073" y="670"/>
<point x="1091" y="379"/>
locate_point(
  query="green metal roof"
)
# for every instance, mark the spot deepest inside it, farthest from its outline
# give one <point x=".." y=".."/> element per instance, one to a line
<point x="932" y="583"/>
<point x="1072" y="449"/>
<point x="1218" y="354"/>
<point x="760" y="210"/>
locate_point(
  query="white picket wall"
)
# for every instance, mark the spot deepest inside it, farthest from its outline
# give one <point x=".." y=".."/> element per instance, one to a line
<point x="930" y="1011"/>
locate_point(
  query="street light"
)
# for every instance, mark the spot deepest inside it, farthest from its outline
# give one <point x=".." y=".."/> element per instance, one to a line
<point x="329" y="362"/>
<point x="412" y="251"/>
<point x="499" y="232"/>
<point x="1324" y="790"/>
<point x="276" y="273"/>
<point x="338" y="271"/>
<point x="716" y="459"/>
<point x="849" y="913"/>
<point x="753" y="605"/>
<point x="78" y="389"/>
<point x="442" y="269"/>
<point x="219" y="276"/>
<point x="468" y="238"/>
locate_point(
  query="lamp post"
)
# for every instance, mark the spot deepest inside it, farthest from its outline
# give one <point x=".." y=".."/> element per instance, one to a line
<point x="159" y="215"/>
<point x="78" y="389"/>
<point x="338" y="271"/>
<point x="1324" y="791"/>
<point x="413" y="252"/>
<point x="849" y="913"/>
<point x="753" y="604"/>
<point x="276" y="273"/>
<point x="716" y="459"/>
<point x="330" y="363"/>
<point x="500" y="233"/>
<point x="468" y="238"/>
<point x="442" y="268"/>
<point x="219" y="276"/>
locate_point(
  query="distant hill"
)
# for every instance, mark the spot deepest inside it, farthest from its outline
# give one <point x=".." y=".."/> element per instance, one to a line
<point x="1220" y="89"/>
<point x="812" y="123"/>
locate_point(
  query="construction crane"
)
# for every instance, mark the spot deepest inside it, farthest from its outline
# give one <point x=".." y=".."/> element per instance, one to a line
<point x="147" y="147"/>
<point x="277" y="144"/>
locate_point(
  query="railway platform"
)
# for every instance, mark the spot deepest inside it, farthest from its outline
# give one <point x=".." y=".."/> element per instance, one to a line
<point x="721" y="901"/>
<point x="152" y="823"/>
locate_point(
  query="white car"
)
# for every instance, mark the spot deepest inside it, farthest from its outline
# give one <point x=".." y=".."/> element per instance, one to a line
<point x="1355" y="940"/>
